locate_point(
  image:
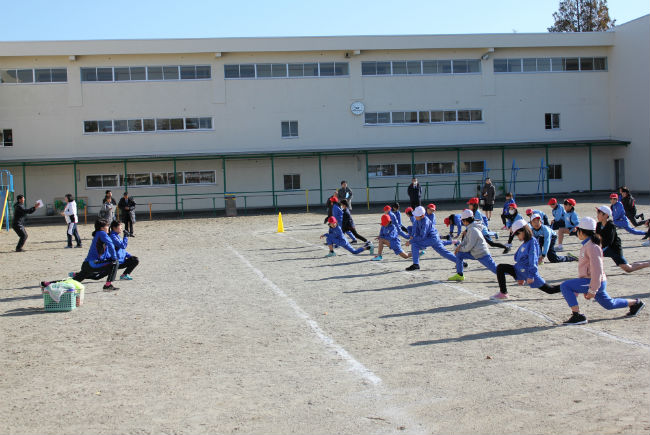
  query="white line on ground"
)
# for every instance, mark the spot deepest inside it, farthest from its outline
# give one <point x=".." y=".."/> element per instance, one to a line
<point x="355" y="365"/>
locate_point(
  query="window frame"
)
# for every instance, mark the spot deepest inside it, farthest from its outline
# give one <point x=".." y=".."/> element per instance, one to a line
<point x="34" y="80"/>
<point x="438" y="63"/>
<point x="129" y="176"/>
<point x="142" y="121"/>
<point x="290" y="124"/>
<point x="293" y="182"/>
<point x="555" y="64"/>
<point x="344" y="67"/>
<point x="552" y="125"/>
<point x="146" y="73"/>
<point x="3" y="138"/>
<point x="553" y="168"/>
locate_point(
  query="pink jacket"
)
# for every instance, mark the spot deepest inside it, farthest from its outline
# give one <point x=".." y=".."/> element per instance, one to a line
<point x="590" y="265"/>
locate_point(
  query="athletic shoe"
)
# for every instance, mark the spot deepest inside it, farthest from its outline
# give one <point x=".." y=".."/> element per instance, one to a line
<point x="372" y="249"/>
<point x="20" y="250"/>
<point x="126" y="277"/>
<point x="640" y="216"/>
<point x="646" y="243"/>
<point x="572" y="257"/>
<point x="504" y="227"/>
<point x="576" y="319"/>
<point x="456" y="277"/>
<point x="413" y="267"/>
<point x="559" y="248"/>
<point x="465" y="264"/>
<point x="68" y="247"/>
<point x="78" y="246"/>
<point x="635" y="308"/>
<point x="331" y="254"/>
<point x="421" y="253"/>
<point x="354" y="242"/>
<point x="71" y="274"/>
<point x="109" y="288"/>
<point x="377" y="258"/>
<point x="496" y="236"/>
<point x="505" y="251"/>
<point x="499" y="296"/>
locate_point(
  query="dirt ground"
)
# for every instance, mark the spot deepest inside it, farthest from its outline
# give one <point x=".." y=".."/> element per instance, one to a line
<point x="229" y="327"/>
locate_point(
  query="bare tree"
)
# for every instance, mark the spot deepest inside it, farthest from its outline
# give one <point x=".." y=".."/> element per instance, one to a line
<point x="582" y="16"/>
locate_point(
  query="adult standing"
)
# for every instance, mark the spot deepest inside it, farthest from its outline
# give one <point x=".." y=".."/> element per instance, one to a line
<point x="489" y="194"/>
<point x="345" y="193"/>
<point x="127" y="207"/>
<point x="18" y="224"/>
<point x="71" y="219"/>
<point x="107" y="212"/>
<point x="415" y="193"/>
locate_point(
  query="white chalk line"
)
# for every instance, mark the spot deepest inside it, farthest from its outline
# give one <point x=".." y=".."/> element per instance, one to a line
<point x="512" y="305"/>
<point x="355" y="365"/>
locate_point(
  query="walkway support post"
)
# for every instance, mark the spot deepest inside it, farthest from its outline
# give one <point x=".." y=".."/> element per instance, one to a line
<point x="273" y="181"/>
<point x="126" y="179"/>
<point x="591" y="186"/>
<point x="458" y="171"/>
<point x="74" y="169"/>
<point x="175" y="185"/>
<point x="367" y="183"/>
<point x="223" y="168"/>
<point x="320" y="178"/>
<point x="503" y="169"/>
<point x="548" y="184"/>
<point x="24" y="183"/>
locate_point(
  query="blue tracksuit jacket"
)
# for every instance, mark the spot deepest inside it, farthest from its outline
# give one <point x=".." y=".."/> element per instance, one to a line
<point x="120" y="246"/>
<point x="526" y="259"/>
<point x="431" y="217"/>
<point x="511" y="219"/>
<point x="506" y="206"/>
<point x="94" y="258"/>
<point x="571" y="220"/>
<point x="558" y="213"/>
<point x="337" y="213"/>
<point x="390" y="233"/>
<point x="456" y="222"/>
<point x="547" y="233"/>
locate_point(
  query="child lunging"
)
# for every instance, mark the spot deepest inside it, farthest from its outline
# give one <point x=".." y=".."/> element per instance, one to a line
<point x="472" y="247"/>
<point x="335" y="237"/>
<point x="611" y="243"/>
<point x="388" y="237"/>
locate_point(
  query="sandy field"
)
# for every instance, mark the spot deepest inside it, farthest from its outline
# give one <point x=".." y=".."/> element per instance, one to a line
<point x="229" y="327"/>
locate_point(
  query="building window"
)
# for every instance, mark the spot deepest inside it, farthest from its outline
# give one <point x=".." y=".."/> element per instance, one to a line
<point x="148" y="125"/>
<point x="551" y="121"/>
<point x="405" y="169"/>
<point x="149" y="179"/>
<point x="289" y="129"/>
<point x="285" y="70"/>
<point x="40" y="75"/>
<point x="473" y="167"/>
<point x="292" y="182"/>
<point x="546" y="64"/>
<point x="420" y="67"/>
<point x="554" y="172"/>
<point x="6" y="138"/>
<point x="424" y="117"/>
<point x="441" y="168"/>
<point x="146" y="73"/>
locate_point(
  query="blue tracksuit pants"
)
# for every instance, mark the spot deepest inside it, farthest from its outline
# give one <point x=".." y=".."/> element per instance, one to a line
<point x="437" y="246"/>
<point x="581" y="285"/>
<point x="485" y="260"/>
<point x="344" y="244"/>
<point x="627" y="226"/>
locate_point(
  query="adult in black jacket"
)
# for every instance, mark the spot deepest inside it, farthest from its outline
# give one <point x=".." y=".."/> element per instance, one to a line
<point x="611" y="243"/>
<point x="127" y="210"/>
<point x="415" y="193"/>
<point x="18" y="224"/>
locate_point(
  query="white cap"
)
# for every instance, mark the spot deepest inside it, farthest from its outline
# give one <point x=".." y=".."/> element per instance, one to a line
<point x="419" y="211"/>
<point x="519" y="224"/>
<point x="587" y="223"/>
<point x="605" y="209"/>
<point x="535" y="216"/>
<point x="467" y="213"/>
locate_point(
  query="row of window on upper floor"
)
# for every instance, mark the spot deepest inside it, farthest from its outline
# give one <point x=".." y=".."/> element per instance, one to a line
<point x="296" y="70"/>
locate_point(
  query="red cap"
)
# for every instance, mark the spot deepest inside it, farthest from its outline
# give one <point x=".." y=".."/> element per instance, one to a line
<point x="571" y="201"/>
<point x="331" y="220"/>
<point x="385" y="220"/>
<point x="432" y="206"/>
<point x="529" y="211"/>
<point x="552" y="201"/>
<point x="408" y="210"/>
<point x="447" y="221"/>
<point x="334" y="199"/>
<point x="473" y="201"/>
<point x="513" y="205"/>
<point x="387" y="208"/>
<point x="613" y="196"/>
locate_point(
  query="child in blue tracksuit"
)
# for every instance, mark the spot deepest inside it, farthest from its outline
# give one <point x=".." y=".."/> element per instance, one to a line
<point x="513" y="216"/>
<point x="101" y="260"/>
<point x="620" y="218"/>
<point x="335" y="237"/>
<point x="424" y="234"/>
<point x="526" y="260"/>
<point x="571" y="221"/>
<point x="558" y="214"/>
<point x="478" y="217"/>
<point x="472" y="247"/>
<point x="454" y="221"/>
<point x="530" y="212"/>
<point x="388" y="236"/>
<point x="398" y="216"/>
<point x="506" y="207"/>
<point x="431" y="213"/>
<point x="125" y="260"/>
<point x="546" y="238"/>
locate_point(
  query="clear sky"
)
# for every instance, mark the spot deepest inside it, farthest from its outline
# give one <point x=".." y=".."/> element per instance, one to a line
<point x="119" y="19"/>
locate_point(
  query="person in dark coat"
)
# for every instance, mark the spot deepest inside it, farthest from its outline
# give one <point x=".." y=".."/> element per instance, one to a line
<point x="489" y="194"/>
<point x="127" y="210"/>
<point x="415" y="193"/>
<point x="18" y="224"/>
<point x="345" y="193"/>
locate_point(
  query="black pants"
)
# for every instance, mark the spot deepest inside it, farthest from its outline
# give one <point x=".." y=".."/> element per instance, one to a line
<point x="503" y="219"/>
<point x="130" y="264"/>
<point x="489" y="241"/>
<point x="75" y="233"/>
<point x="558" y="224"/>
<point x="510" y="238"/>
<point x="128" y="223"/>
<point x="509" y="269"/>
<point x="415" y="203"/>
<point x="109" y="270"/>
<point x="22" y="234"/>
<point x="354" y="231"/>
<point x="551" y="254"/>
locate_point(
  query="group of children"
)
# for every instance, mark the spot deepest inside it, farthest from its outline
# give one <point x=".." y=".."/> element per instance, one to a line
<point x="540" y="239"/>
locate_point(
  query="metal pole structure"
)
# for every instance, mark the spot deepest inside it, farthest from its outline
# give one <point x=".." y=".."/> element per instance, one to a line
<point x="223" y="168"/>
<point x="591" y="186"/>
<point x="273" y="181"/>
<point x="126" y="178"/>
<point x="367" y="183"/>
<point x="24" y="183"/>
<point x="412" y="163"/>
<point x="458" y="171"/>
<point x="320" y="178"/>
<point x="74" y="169"/>
<point x="503" y="170"/>
<point x="548" y="184"/>
<point x="175" y="185"/>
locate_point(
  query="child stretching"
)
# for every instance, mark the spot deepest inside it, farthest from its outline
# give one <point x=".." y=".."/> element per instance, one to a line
<point x="546" y="238"/>
<point x="398" y="216"/>
<point x="513" y="216"/>
<point x="388" y="237"/>
<point x="431" y="213"/>
<point x="570" y="222"/>
<point x="478" y="217"/>
<point x="335" y="237"/>
<point x="592" y="281"/>
<point x="620" y="218"/>
<point x="126" y="260"/>
<point x="454" y="221"/>
<point x="348" y="224"/>
<point x="472" y="247"/>
<point x="611" y="243"/>
<point x="558" y="214"/>
<point x="506" y="207"/>
<point x="424" y="234"/>
<point x="530" y="212"/>
<point x="101" y="260"/>
<point x="525" y="267"/>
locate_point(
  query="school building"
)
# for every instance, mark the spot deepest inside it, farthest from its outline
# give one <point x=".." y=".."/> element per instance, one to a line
<point x="183" y="123"/>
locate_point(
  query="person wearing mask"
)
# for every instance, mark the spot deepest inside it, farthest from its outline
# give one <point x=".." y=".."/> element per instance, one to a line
<point x="345" y="193"/>
<point x="18" y="225"/>
<point x="71" y="219"/>
<point x="127" y="208"/>
<point x="489" y="194"/>
<point x="513" y="216"/>
<point x="107" y="210"/>
<point x="415" y="193"/>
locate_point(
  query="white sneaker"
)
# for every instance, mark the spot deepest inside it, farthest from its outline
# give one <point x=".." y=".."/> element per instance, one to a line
<point x="559" y="248"/>
<point x="646" y="243"/>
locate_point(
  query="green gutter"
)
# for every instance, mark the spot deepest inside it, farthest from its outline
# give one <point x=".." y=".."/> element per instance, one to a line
<point x="74" y="170"/>
<point x="175" y="185"/>
<point x="458" y="170"/>
<point x="320" y="178"/>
